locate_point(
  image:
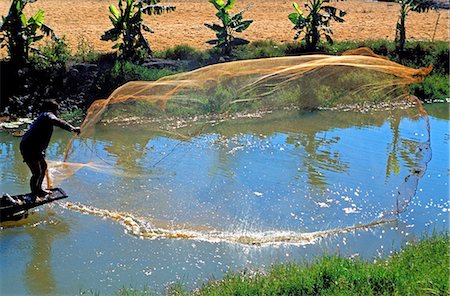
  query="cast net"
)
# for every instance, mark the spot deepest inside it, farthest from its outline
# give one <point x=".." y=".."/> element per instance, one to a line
<point x="358" y="81"/>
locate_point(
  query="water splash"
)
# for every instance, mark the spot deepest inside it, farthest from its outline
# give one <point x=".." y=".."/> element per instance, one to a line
<point x="145" y="229"/>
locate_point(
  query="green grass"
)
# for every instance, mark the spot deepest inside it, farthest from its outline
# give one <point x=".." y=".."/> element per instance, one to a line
<point x="127" y="71"/>
<point x="421" y="268"/>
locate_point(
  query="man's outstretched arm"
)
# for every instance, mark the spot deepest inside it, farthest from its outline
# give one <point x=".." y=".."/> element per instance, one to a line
<point x="63" y="124"/>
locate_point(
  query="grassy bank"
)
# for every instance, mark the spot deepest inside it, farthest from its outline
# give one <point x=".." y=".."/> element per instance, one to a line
<point x="79" y="79"/>
<point x="421" y="268"/>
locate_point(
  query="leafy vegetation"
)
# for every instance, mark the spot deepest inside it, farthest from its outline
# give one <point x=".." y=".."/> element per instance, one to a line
<point x="230" y="24"/>
<point x="405" y="7"/>
<point x="127" y="71"/>
<point x="435" y="87"/>
<point x="18" y="33"/>
<point x="52" y="55"/>
<point x="317" y="23"/>
<point x="85" y="51"/>
<point x="128" y="27"/>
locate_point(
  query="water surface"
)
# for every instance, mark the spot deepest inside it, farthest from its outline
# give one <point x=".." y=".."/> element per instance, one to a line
<point x="163" y="208"/>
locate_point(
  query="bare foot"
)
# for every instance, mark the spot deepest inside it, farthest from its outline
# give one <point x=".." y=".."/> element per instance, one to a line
<point x="44" y="193"/>
<point x="13" y="200"/>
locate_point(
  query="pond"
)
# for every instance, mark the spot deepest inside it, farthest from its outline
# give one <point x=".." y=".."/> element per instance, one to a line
<point x="154" y="208"/>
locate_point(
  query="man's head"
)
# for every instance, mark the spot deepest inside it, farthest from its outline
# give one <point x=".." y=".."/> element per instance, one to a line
<point x="50" y="106"/>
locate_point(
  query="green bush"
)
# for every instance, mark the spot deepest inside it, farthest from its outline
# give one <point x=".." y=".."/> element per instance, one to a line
<point x="73" y="115"/>
<point x="127" y="71"/>
<point x="85" y="51"/>
<point x="434" y="87"/>
<point x="53" y="54"/>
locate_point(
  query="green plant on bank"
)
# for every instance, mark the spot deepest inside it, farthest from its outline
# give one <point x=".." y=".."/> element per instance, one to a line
<point x="128" y="27"/>
<point x="85" y="51"/>
<point x="52" y="55"/>
<point x="19" y="33"/>
<point x="74" y="115"/>
<point x="127" y="71"/>
<point x="405" y="7"/>
<point x="231" y="24"/>
<point x="260" y="49"/>
<point x="434" y="88"/>
<point x="317" y="23"/>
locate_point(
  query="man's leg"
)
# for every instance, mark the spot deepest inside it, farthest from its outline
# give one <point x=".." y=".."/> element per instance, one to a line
<point x="38" y="169"/>
<point x="42" y="170"/>
<point x="34" y="180"/>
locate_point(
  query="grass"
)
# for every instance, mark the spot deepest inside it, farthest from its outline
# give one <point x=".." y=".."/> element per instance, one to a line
<point x="127" y="71"/>
<point x="421" y="268"/>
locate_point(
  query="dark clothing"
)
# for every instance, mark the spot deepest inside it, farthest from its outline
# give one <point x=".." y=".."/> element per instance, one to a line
<point x="33" y="146"/>
<point x="36" y="139"/>
<point x="38" y="169"/>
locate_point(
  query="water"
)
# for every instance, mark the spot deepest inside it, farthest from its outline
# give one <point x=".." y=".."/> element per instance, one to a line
<point x="242" y="194"/>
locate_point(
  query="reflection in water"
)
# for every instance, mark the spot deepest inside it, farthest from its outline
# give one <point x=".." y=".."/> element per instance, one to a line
<point x="393" y="165"/>
<point x="237" y="155"/>
<point x="319" y="157"/>
<point x="44" y="228"/>
<point x="297" y="184"/>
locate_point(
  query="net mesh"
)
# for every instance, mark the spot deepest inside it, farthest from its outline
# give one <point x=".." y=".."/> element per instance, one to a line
<point x="358" y="78"/>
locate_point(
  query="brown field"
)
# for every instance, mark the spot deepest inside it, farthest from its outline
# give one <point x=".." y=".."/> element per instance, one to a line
<point x="88" y="19"/>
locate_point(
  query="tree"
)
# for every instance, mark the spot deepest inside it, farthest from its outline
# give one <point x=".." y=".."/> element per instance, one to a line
<point x="230" y="24"/>
<point x="128" y="27"/>
<point x="317" y="23"/>
<point x="18" y="33"/>
<point x="405" y="7"/>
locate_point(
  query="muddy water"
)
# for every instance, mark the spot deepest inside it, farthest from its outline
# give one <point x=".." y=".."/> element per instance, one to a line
<point x="154" y="208"/>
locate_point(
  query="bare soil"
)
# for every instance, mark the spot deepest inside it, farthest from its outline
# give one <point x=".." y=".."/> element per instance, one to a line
<point x="88" y="20"/>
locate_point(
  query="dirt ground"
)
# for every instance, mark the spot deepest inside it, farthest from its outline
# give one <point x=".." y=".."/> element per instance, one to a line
<point x="88" y="19"/>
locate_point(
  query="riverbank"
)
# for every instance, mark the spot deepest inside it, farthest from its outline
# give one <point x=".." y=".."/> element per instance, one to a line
<point x="421" y="268"/>
<point x="88" y="20"/>
<point x="78" y="80"/>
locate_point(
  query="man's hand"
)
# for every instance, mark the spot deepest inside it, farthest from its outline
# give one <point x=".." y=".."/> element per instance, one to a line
<point x="77" y="130"/>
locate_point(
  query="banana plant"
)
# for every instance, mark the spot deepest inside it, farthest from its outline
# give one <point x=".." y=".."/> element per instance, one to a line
<point x="316" y="23"/>
<point x="128" y="26"/>
<point x="18" y="33"/>
<point x="405" y="7"/>
<point x="230" y="24"/>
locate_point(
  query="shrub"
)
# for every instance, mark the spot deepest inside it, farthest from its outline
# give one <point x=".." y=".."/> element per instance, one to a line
<point x="54" y="55"/>
<point x="85" y="51"/>
<point x="126" y="71"/>
<point x="434" y="87"/>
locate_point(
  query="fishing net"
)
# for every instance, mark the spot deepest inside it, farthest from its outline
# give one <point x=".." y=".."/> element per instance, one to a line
<point x="357" y="79"/>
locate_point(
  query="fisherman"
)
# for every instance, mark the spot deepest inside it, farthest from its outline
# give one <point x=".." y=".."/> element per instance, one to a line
<point x="35" y="142"/>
